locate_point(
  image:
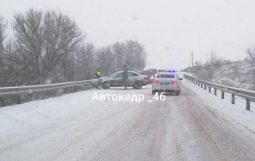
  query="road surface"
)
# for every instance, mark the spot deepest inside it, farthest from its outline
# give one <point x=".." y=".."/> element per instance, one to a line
<point x="181" y="128"/>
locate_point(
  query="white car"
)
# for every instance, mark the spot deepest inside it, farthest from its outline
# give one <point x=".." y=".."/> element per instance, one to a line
<point x="135" y="80"/>
<point x="168" y="82"/>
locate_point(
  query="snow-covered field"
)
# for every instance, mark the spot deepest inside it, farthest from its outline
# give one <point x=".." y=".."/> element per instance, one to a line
<point x="240" y="74"/>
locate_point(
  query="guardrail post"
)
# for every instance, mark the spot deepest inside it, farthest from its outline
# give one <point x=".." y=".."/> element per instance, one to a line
<point x="248" y="104"/>
<point x="209" y="89"/>
<point x="233" y="98"/>
<point x="205" y="87"/>
<point x="201" y="85"/>
<point x="215" y="91"/>
<point x="222" y="94"/>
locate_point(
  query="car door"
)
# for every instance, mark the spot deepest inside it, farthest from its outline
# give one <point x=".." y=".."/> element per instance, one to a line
<point x="132" y="77"/>
<point x="117" y="80"/>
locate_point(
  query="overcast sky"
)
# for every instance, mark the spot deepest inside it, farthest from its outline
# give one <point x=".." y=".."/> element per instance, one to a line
<point x="168" y="29"/>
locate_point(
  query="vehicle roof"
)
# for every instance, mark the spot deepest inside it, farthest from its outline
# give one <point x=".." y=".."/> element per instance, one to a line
<point x="135" y="72"/>
<point x="169" y="73"/>
<point x="128" y="71"/>
<point x="166" y="73"/>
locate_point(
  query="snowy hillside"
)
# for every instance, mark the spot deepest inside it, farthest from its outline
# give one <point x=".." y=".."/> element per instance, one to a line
<point x="239" y="74"/>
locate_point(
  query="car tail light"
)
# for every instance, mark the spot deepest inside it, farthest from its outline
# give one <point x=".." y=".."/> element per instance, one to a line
<point x="174" y="82"/>
<point x="152" y="77"/>
<point x="155" y="81"/>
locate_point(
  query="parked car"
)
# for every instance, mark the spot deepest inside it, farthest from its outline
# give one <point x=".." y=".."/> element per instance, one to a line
<point x="178" y="73"/>
<point x="180" y="76"/>
<point x="135" y="80"/>
<point x="150" y="73"/>
<point x="167" y="82"/>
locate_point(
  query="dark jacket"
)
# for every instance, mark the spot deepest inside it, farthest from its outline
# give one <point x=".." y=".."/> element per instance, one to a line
<point x="125" y="74"/>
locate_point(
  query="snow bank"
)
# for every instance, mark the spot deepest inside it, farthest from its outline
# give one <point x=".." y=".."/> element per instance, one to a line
<point x="234" y="113"/>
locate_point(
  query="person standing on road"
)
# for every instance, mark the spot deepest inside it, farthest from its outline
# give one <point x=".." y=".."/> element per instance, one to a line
<point x="98" y="75"/>
<point x="125" y="76"/>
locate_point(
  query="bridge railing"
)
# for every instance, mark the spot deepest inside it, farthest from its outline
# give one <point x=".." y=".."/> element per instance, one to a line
<point x="5" y="91"/>
<point x="248" y="95"/>
<point x="20" y="94"/>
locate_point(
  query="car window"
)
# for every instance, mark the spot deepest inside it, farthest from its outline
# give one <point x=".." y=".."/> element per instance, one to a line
<point x="153" y="71"/>
<point x="162" y="70"/>
<point x="132" y="74"/>
<point x="145" y="72"/>
<point x="119" y="74"/>
<point x="165" y="76"/>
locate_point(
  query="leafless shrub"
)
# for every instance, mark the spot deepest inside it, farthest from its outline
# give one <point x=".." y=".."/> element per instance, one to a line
<point x="251" y="55"/>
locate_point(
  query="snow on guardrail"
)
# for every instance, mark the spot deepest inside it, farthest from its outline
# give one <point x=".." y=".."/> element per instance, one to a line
<point x="4" y="91"/>
<point x="246" y="94"/>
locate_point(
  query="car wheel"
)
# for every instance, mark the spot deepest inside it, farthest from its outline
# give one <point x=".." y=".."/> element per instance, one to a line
<point x="177" y="93"/>
<point x="137" y="85"/>
<point x="106" y="85"/>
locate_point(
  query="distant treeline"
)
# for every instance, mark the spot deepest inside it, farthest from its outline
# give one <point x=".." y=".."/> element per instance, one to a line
<point x="49" y="47"/>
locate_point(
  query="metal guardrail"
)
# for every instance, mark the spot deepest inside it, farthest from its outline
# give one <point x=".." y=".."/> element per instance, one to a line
<point x="5" y="91"/>
<point x="248" y="95"/>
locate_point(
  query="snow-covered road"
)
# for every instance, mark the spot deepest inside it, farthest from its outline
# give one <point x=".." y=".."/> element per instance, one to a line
<point x="193" y="126"/>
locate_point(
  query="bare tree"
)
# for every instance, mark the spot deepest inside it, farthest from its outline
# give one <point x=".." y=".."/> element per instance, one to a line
<point x="3" y="25"/>
<point x="213" y="58"/>
<point x="119" y="50"/>
<point x="29" y="44"/>
<point x="104" y="60"/>
<point x="6" y="72"/>
<point x="62" y="38"/>
<point x="44" y="40"/>
<point x="251" y="55"/>
<point x="2" y="51"/>
<point x="136" y="57"/>
<point x="85" y="62"/>
<point x="130" y="53"/>
<point x="2" y="65"/>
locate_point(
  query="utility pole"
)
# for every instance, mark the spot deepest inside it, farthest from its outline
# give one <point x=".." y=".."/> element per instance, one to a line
<point x="192" y="55"/>
<point x="191" y="59"/>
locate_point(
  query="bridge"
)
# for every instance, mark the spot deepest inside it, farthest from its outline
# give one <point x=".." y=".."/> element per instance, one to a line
<point x="206" y="122"/>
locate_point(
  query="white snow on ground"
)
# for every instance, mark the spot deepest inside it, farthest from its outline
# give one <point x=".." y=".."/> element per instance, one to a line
<point x="34" y="118"/>
<point x="235" y="113"/>
<point x="73" y="126"/>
